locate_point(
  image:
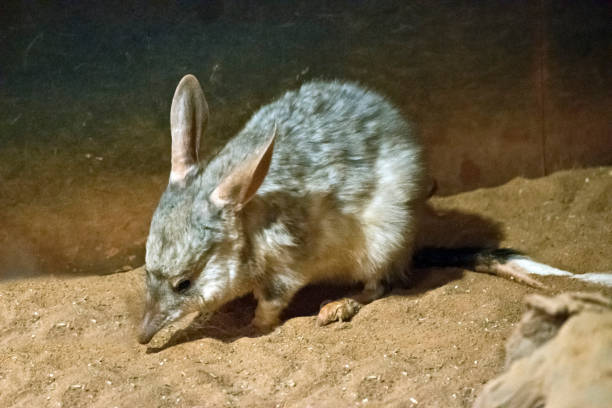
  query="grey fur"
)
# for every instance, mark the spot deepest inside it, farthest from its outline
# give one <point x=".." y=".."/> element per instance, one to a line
<point x="339" y="203"/>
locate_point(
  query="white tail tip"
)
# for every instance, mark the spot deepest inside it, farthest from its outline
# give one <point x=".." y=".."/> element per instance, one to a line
<point x="535" y="268"/>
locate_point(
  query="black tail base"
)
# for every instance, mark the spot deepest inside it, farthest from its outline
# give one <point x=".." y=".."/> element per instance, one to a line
<point x="466" y="257"/>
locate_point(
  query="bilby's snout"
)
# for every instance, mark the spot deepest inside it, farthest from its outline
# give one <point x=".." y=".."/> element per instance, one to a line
<point x="146" y="330"/>
<point x="152" y="322"/>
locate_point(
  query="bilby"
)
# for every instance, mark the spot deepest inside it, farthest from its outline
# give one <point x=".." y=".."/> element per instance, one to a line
<point x="326" y="183"/>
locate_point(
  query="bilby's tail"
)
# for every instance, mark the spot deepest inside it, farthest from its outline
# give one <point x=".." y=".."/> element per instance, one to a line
<point x="502" y="262"/>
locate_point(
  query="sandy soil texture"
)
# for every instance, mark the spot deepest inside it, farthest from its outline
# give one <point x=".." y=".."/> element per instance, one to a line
<point x="70" y="342"/>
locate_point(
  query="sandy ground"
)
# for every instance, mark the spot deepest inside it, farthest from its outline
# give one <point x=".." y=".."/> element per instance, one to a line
<point x="71" y="341"/>
<point x="84" y="156"/>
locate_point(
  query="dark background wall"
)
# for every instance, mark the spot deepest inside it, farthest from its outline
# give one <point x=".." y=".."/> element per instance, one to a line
<point x="497" y="89"/>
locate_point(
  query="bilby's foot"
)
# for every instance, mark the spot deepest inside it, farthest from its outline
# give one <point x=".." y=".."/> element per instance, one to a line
<point x="338" y="310"/>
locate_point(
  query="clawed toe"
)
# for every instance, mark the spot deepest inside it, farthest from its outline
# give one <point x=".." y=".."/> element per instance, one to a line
<point x="339" y="310"/>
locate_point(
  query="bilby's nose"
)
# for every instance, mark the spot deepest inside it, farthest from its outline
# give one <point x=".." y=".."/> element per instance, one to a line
<point x="151" y="324"/>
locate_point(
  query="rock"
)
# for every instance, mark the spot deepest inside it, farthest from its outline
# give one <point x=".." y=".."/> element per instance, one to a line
<point x="559" y="356"/>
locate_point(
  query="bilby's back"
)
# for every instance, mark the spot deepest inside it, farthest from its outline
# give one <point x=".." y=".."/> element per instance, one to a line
<point x="332" y="137"/>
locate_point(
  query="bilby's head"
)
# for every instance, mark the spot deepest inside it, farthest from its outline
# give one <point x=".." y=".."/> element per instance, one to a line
<point x="194" y="251"/>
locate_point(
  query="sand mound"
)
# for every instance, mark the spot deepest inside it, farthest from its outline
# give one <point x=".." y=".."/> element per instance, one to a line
<point x="71" y="342"/>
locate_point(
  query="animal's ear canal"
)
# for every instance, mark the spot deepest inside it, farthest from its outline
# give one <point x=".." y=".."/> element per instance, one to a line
<point x="239" y="187"/>
<point x="188" y="119"/>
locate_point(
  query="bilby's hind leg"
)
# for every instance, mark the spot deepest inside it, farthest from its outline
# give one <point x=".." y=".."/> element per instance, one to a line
<point x="345" y="308"/>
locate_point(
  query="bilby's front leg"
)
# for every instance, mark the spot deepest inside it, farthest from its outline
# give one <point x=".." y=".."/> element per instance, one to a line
<point x="267" y="314"/>
<point x="272" y="298"/>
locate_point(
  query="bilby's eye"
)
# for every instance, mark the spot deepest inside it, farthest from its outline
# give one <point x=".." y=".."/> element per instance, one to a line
<point x="182" y="286"/>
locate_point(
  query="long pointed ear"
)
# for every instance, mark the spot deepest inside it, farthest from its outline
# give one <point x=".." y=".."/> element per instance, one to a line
<point x="188" y="119"/>
<point x="237" y="188"/>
